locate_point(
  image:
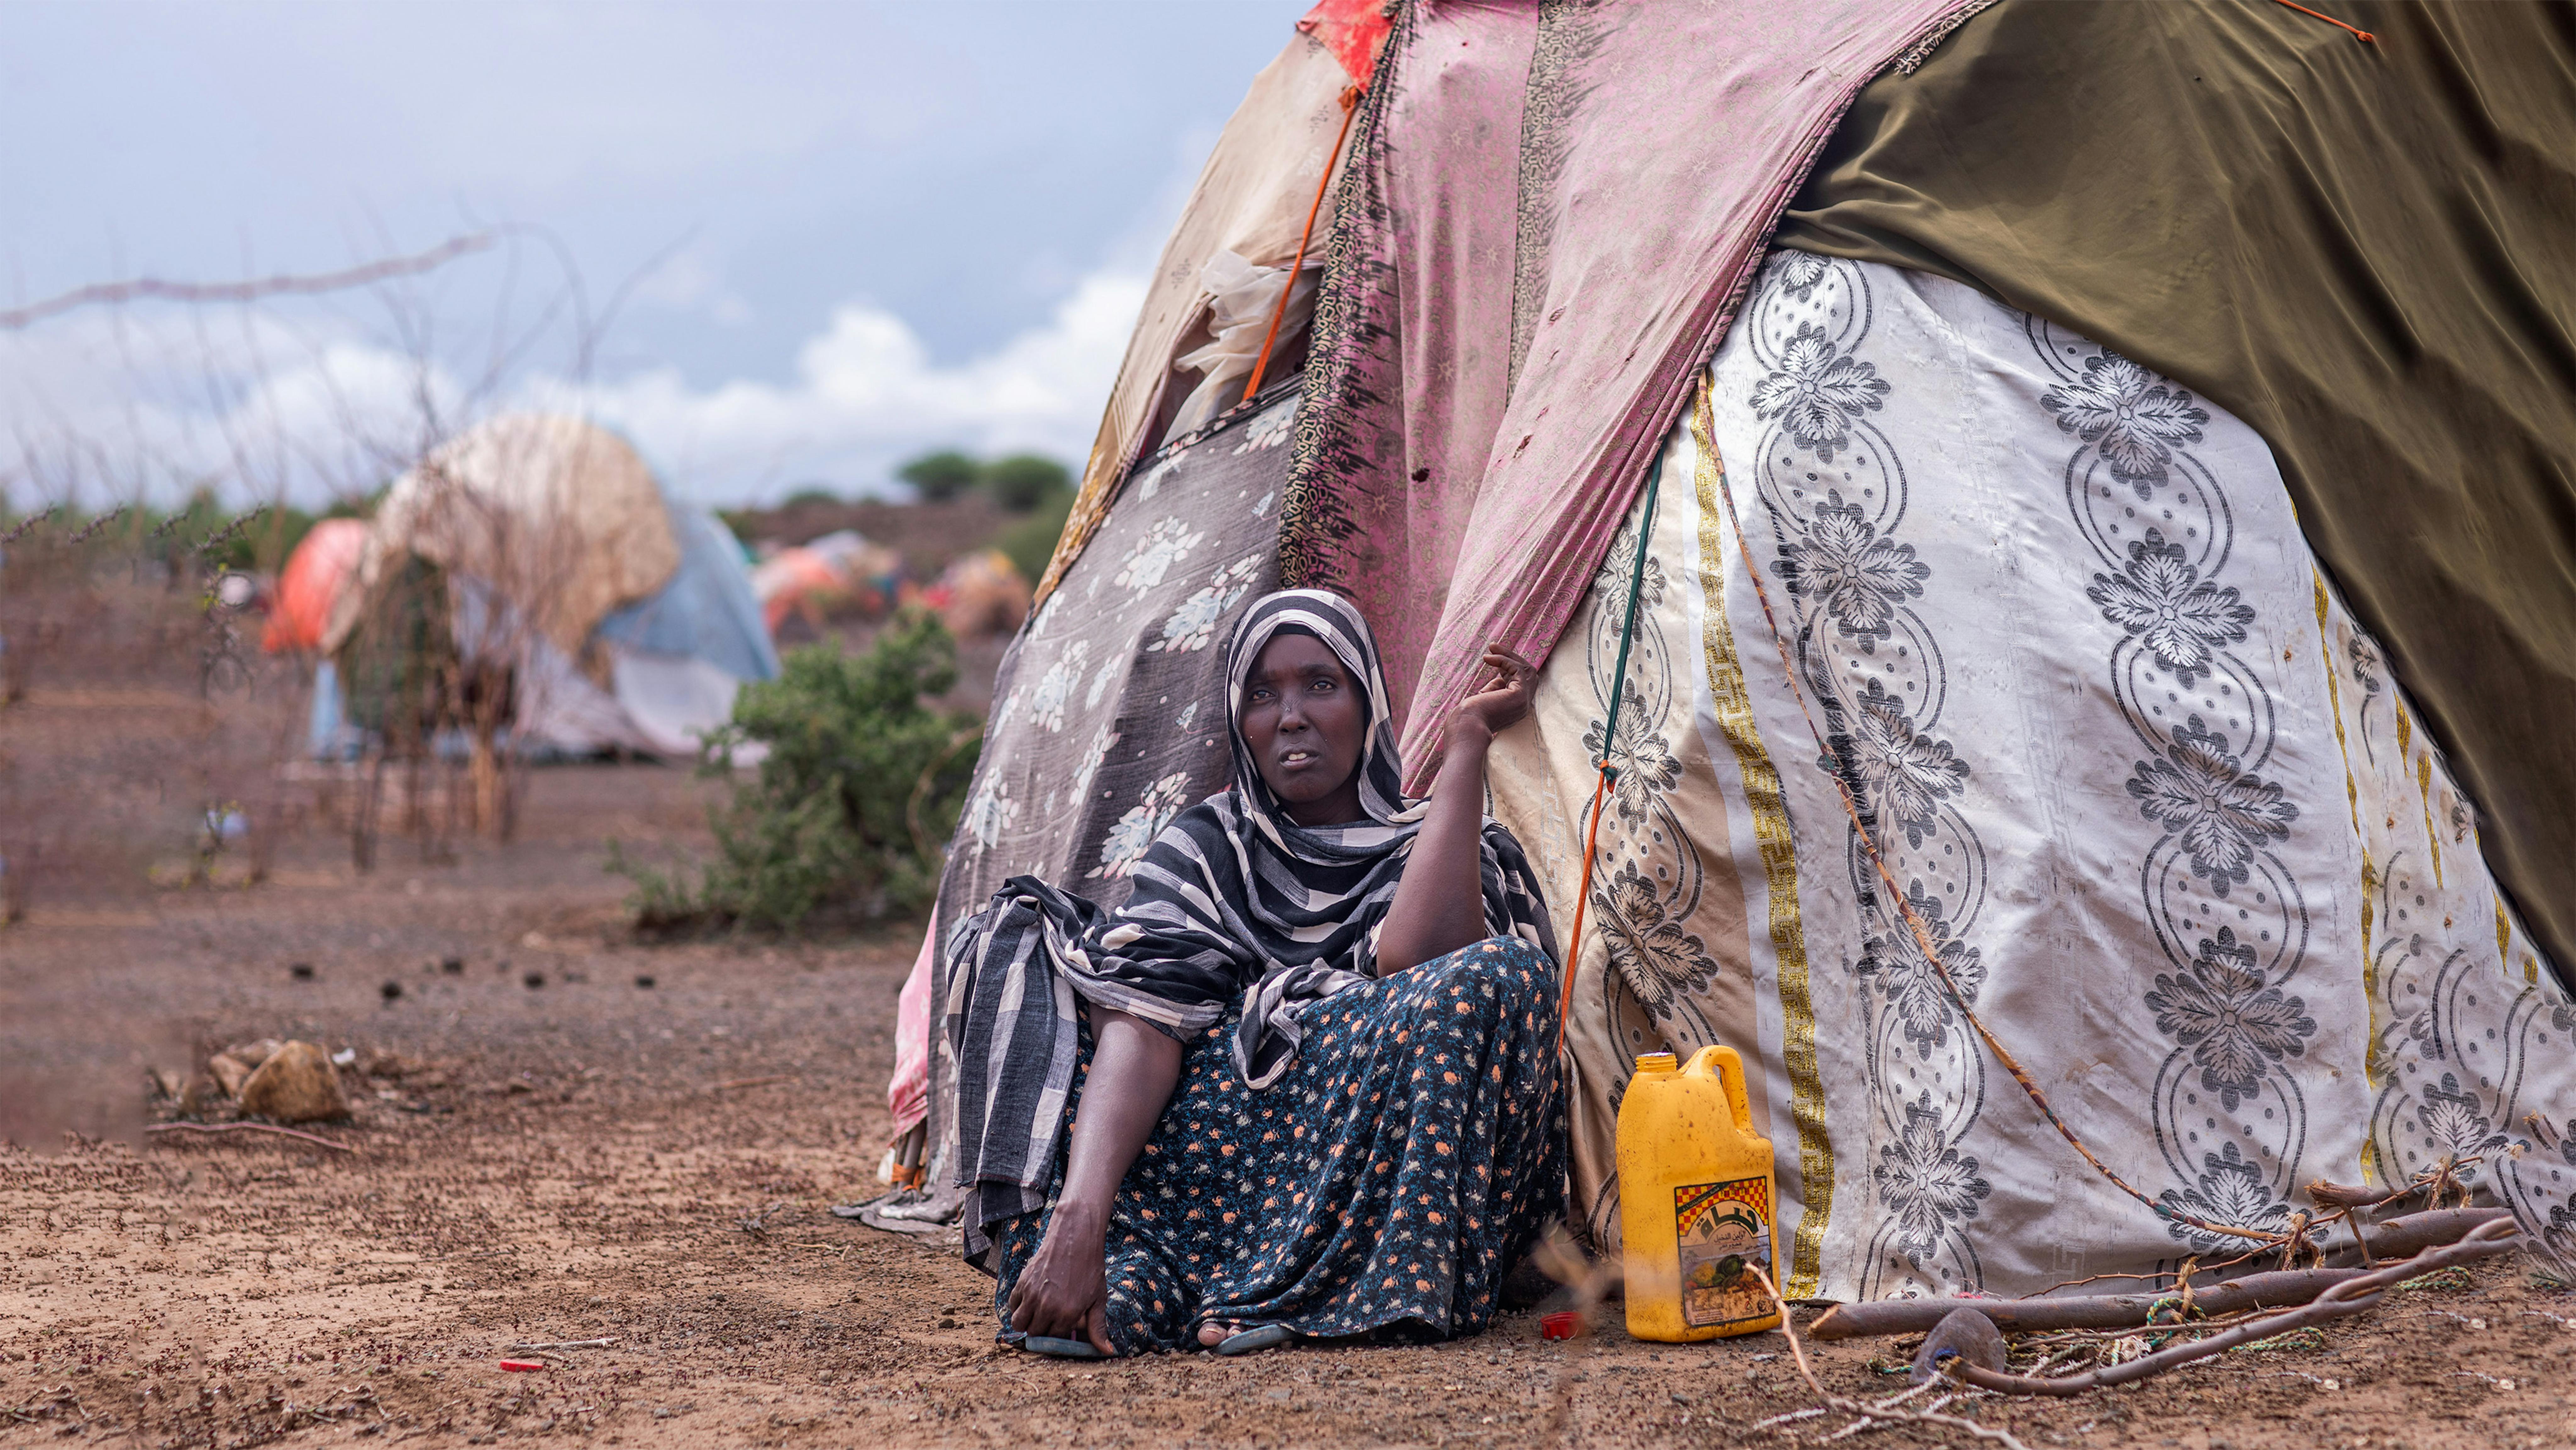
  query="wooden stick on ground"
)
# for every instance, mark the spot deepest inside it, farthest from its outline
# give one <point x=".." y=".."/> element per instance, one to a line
<point x="2091" y="1311"/>
<point x="2123" y="1311"/>
<point x="250" y="1128"/>
<point x="2412" y="1233"/>
<point x="2352" y="1296"/>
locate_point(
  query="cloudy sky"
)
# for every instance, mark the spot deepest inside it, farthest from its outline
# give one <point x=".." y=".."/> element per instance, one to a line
<point x="842" y="232"/>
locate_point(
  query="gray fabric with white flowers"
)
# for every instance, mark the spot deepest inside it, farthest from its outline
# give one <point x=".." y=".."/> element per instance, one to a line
<point x="1106" y="718"/>
<point x="2170" y="822"/>
<point x="2115" y="738"/>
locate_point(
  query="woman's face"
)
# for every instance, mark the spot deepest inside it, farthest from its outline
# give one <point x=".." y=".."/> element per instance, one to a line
<point x="1305" y="725"/>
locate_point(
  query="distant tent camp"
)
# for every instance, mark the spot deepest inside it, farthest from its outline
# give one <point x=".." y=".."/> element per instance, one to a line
<point x="622" y="619"/>
<point x="2004" y="766"/>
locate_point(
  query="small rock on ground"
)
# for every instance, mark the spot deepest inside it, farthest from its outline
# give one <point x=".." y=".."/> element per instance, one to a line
<point x="297" y="1084"/>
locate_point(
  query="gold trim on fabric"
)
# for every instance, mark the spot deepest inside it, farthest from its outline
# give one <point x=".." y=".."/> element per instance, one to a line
<point x="2504" y="949"/>
<point x="2369" y="966"/>
<point x="2424" y="783"/>
<point x="1770" y="810"/>
<point x="2370" y="1063"/>
<point x="2352" y="798"/>
<point x="2334" y="699"/>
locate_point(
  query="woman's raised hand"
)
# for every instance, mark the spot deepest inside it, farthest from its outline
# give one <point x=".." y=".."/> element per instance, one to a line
<point x="1506" y="702"/>
<point x="1439" y="906"/>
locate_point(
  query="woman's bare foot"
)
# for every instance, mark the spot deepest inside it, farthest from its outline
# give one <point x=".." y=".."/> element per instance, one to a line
<point x="1217" y="1331"/>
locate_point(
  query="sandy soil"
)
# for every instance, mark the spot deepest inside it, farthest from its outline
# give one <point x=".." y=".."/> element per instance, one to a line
<point x="591" y="1158"/>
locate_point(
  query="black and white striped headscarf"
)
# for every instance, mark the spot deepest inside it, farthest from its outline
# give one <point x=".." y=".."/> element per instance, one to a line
<point x="1234" y="901"/>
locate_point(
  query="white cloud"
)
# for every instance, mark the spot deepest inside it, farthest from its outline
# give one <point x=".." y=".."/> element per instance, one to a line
<point x="110" y="407"/>
<point x="117" y="405"/>
<point x="691" y="280"/>
<point x="867" y="395"/>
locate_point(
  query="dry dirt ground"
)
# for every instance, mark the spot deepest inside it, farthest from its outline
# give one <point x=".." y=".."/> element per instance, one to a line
<point x="591" y="1158"/>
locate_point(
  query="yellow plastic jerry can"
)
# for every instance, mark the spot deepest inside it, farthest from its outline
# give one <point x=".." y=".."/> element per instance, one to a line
<point x="1695" y="1200"/>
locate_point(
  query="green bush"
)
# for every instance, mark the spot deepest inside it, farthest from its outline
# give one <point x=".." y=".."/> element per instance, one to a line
<point x="847" y="814"/>
<point x="1023" y="481"/>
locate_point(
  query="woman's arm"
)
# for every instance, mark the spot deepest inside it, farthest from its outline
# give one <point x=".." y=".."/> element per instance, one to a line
<point x="1064" y="1293"/>
<point x="1439" y="906"/>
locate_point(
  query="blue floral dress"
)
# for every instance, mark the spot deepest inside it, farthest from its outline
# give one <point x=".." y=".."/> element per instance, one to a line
<point x="1384" y="1185"/>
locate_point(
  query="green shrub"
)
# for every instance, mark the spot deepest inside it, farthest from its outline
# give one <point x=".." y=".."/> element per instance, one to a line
<point x="847" y="814"/>
<point x="1023" y="481"/>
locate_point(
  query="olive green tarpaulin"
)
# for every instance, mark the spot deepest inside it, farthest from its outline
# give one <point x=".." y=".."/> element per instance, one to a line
<point x="2366" y="252"/>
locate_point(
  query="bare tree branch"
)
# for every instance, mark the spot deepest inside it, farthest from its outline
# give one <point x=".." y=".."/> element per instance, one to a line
<point x="284" y="284"/>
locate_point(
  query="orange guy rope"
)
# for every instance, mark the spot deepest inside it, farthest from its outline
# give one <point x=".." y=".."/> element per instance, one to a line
<point x="1582" y="898"/>
<point x="2364" y="36"/>
<point x="1609" y="743"/>
<point x="1261" y="364"/>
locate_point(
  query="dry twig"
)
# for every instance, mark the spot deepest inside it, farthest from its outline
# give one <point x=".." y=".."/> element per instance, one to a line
<point x="250" y="1128"/>
<point x="282" y="285"/>
<point x="2131" y="1331"/>
<point x="1867" y="1411"/>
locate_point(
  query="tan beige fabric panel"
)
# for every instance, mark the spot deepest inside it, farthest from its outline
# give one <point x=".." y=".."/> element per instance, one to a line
<point x="1251" y="200"/>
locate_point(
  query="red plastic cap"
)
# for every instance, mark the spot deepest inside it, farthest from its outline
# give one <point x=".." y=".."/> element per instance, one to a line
<point x="1563" y="1324"/>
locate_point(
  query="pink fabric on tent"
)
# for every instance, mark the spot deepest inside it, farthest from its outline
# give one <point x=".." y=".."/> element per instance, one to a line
<point x="908" y="1093"/>
<point x="1439" y="205"/>
<point x="1638" y="171"/>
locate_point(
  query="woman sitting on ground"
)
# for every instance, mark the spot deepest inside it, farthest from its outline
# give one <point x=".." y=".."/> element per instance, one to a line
<point x="1317" y="1094"/>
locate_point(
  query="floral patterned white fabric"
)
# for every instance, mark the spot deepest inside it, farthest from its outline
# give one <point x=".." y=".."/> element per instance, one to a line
<point x="1101" y="729"/>
<point x="2164" y="811"/>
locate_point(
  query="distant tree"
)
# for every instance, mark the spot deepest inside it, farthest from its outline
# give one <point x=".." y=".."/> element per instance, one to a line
<point x="811" y="493"/>
<point x="941" y="476"/>
<point x="1023" y="481"/>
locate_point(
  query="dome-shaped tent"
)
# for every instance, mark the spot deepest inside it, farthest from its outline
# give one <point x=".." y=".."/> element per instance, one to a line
<point x="1991" y="721"/>
<point x="621" y="619"/>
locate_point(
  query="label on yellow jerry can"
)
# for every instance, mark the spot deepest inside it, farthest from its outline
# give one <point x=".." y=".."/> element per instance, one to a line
<point x="1721" y="1230"/>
